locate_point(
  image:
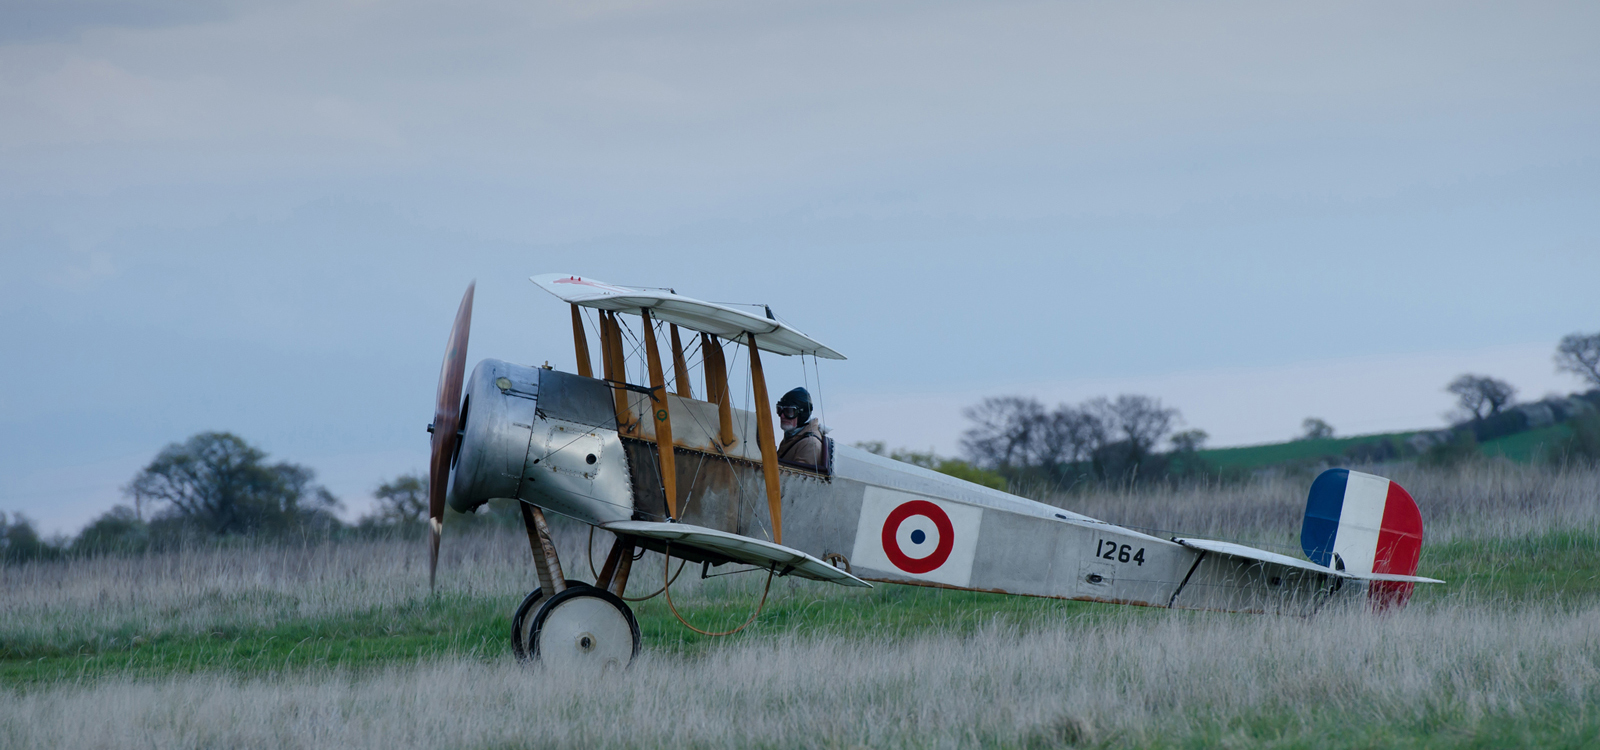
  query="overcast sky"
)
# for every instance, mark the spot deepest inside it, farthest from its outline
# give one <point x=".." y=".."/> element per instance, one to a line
<point x="259" y="217"/>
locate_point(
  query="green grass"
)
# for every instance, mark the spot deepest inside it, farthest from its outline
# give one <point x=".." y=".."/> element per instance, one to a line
<point x="1561" y="566"/>
<point x="481" y="627"/>
<point x="1249" y="457"/>
<point x="887" y="611"/>
<point x="372" y="638"/>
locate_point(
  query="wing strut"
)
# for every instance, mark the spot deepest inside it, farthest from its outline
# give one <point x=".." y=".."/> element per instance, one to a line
<point x="769" y="449"/>
<point x="662" y="416"/>
<point x="615" y="370"/>
<point x="716" y="370"/>
<point x="680" y="370"/>
<point x="580" y="342"/>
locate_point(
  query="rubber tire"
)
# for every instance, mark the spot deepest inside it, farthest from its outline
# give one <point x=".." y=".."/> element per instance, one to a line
<point x="553" y="603"/>
<point x="525" y="612"/>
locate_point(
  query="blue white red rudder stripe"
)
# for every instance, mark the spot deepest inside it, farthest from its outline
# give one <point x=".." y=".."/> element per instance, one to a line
<point x="1364" y="524"/>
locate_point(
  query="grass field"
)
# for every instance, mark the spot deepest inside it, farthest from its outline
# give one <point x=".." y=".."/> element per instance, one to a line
<point x="343" y="645"/>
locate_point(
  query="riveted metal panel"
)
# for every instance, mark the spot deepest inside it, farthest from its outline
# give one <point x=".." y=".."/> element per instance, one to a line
<point x="574" y="398"/>
<point x="578" y="470"/>
<point x="819" y="517"/>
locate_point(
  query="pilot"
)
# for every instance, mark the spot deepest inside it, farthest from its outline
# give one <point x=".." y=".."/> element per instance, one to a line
<point x="802" y="435"/>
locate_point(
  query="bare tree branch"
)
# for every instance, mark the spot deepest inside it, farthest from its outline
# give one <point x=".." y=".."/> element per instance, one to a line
<point x="1481" y="395"/>
<point x="1580" y="354"/>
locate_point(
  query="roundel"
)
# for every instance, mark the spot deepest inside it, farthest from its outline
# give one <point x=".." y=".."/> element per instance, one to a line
<point x="918" y="537"/>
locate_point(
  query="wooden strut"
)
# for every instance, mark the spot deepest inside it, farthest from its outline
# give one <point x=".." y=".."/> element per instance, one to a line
<point x="765" y="437"/>
<point x="662" y="416"/>
<point x="607" y="367"/>
<point x="545" y="559"/>
<point x="614" y="575"/>
<point x="716" y="370"/>
<point x="616" y="370"/>
<point x="680" y="368"/>
<point x="580" y="342"/>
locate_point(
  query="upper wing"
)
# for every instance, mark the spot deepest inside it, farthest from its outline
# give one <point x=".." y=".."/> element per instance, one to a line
<point x="709" y="317"/>
<point x="740" y="548"/>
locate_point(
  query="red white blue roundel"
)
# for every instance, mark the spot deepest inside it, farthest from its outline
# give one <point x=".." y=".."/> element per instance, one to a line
<point x="918" y="536"/>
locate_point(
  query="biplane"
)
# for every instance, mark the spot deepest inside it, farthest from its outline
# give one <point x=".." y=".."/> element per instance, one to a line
<point x="685" y="474"/>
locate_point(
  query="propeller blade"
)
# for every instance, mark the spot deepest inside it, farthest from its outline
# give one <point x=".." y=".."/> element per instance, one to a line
<point x="446" y="423"/>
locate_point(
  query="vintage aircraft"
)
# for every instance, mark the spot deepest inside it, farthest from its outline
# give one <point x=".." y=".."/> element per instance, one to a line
<point x="693" y="478"/>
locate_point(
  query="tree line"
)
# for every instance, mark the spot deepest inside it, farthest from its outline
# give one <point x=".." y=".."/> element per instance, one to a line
<point x="1099" y="440"/>
<point x="217" y="486"/>
<point x="1487" y="409"/>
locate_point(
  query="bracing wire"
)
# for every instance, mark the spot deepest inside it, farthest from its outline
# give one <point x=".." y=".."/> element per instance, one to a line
<point x="657" y="592"/>
<point x="822" y="403"/>
<point x="652" y="595"/>
<point x="667" y="587"/>
<point x="805" y="375"/>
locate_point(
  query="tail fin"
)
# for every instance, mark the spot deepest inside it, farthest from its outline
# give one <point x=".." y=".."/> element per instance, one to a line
<point x="1365" y="524"/>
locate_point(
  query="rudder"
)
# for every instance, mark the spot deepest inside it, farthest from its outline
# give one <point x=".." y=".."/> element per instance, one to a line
<point x="1364" y="524"/>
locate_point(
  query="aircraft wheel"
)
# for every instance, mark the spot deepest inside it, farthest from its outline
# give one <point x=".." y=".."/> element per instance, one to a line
<point x="522" y="620"/>
<point x="586" y="629"/>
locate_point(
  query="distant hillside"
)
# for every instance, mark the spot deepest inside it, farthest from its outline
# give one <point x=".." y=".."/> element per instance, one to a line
<point x="1521" y="447"/>
<point x="1249" y="457"/>
<point x="1526" y="446"/>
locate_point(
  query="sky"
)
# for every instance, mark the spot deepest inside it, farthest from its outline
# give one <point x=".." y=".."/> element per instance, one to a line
<point x="259" y="217"/>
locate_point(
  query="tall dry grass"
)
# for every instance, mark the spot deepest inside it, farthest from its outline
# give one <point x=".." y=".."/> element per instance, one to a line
<point x="209" y="588"/>
<point x="203" y="589"/>
<point x="1448" y="668"/>
<point x="1348" y="678"/>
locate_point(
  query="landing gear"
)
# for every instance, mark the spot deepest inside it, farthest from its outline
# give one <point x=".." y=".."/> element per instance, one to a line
<point x="522" y="620"/>
<point x="569" y="624"/>
<point x="585" y="628"/>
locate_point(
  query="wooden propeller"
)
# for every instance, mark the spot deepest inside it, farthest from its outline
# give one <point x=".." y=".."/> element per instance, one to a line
<point x="446" y="425"/>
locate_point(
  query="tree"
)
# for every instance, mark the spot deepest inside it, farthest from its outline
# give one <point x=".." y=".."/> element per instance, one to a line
<point x="1005" y="429"/>
<point x="1188" y="441"/>
<point x="20" y="542"/>
<point x="1016" y="437"/>
<point x="117" y="530"/>
<point x="1065" y="437"/>
<point x="1481" y="395"/>
<point x="1142" y="421"/>
<point x="1315" y="429"/>
<point x="401" y="501"/>
<point x="1135" y="425"/>
<point x="1582" y="442"/>
<point x="1580" y="355"/>
<point x="220" y="484"/>
<point x="1462" y="446"/>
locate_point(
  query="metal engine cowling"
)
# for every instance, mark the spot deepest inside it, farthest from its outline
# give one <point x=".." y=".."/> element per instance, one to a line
<point x="543" y="436"/>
